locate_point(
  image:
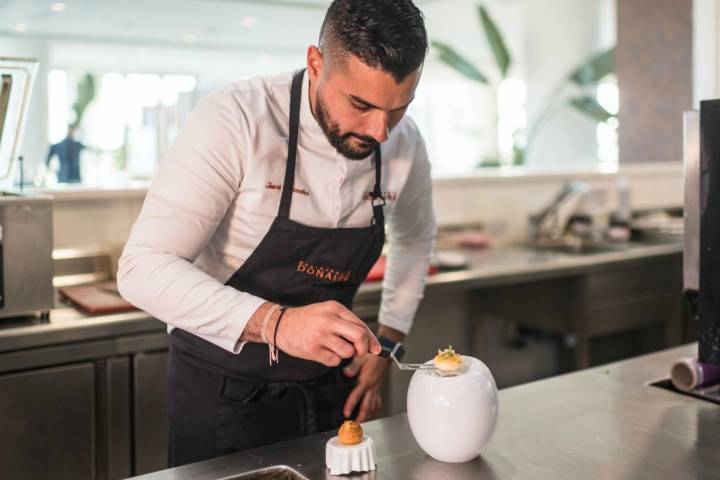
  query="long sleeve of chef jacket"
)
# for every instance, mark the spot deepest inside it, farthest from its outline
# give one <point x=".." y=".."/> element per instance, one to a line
<point x="218" y="190"/>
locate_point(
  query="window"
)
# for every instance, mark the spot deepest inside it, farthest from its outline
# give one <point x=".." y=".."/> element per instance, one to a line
<point x="132" y="120"/>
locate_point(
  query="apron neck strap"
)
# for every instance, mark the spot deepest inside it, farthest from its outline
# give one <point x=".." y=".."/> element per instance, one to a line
<point x="378" y="201"/>
<point x="289" y="183"/>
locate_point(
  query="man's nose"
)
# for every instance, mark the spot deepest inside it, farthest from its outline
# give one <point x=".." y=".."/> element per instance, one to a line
<point x="378" y="128"/>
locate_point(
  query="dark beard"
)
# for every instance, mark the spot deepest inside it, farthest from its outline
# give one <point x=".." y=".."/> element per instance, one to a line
<point x="341" y="142"/>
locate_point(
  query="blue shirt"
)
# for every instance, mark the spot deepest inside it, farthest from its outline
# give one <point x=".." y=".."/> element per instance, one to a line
<point x="68" y="152"/>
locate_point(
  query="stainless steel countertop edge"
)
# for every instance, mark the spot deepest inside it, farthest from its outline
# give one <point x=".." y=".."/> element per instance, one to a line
<point x="600" y="422"/>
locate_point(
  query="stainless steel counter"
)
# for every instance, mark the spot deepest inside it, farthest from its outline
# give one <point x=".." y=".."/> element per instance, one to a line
<point x="67" y="325"/>
<point x="487" y="268"/>
<point x="517" y="264"/>
<point x="603" y="422"/>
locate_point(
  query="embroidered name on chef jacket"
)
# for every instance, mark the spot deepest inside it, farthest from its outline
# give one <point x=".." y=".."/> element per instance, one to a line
<point x="323" y="273"/>
<point x="278" y="187"/>
<point x="389" y="196"/>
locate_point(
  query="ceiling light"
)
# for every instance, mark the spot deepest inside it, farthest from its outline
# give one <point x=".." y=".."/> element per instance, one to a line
<point x="58" y="7"/>
<point x="248" y="22"/>
<point x="190" y="38"/>
<point x="21" y="27"/>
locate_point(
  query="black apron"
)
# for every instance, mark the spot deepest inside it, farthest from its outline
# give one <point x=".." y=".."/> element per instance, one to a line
<point x="221" y="403"/>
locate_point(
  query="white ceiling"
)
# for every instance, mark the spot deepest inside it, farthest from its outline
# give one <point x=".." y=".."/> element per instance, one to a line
<point x="260" y="25"/>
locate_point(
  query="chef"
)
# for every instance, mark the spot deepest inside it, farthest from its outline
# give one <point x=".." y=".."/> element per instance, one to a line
<point x="264" y="219"/>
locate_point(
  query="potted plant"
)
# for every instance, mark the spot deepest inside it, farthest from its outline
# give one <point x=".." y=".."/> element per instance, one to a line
<point x="573" y="90"/>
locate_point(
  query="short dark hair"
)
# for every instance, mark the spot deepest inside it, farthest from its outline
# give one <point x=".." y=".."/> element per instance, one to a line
<point x="385" y="34"/>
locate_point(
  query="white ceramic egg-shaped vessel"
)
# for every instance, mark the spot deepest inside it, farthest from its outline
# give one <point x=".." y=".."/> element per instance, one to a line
<point x="453" y="418"/>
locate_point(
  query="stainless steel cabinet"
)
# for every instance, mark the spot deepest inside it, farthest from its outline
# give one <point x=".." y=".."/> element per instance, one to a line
<point x="150" y="411"/>
<point x="84" y="410"/>
<point x="47" y="423"/>
<point x="637" y="299"/>
<point x="113" y="443"/>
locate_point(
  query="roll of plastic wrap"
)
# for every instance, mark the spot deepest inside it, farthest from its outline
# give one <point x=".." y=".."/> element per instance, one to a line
<point x="689" y="373"/>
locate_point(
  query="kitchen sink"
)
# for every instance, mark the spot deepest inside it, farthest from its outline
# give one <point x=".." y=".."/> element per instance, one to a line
<point x="711" y="393"/>
<point x="277" y="472"/>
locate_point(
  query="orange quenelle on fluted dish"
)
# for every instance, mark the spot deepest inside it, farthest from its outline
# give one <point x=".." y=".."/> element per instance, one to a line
<point x="350" y="433"/>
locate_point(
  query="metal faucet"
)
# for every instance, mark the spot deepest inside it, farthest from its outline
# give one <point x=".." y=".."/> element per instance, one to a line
<point x="536" y="221"/>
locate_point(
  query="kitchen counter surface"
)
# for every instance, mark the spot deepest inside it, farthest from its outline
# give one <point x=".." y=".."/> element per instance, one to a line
<point x="604" y="422"/>
<point x="517" y="264"/>
<point x="487" y="268"/>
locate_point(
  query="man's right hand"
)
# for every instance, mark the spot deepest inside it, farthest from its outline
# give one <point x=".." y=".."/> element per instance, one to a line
<point x="324" y="332"/>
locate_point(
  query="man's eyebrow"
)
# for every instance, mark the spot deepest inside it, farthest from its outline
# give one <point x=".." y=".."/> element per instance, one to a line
<point x="365" y="103"/>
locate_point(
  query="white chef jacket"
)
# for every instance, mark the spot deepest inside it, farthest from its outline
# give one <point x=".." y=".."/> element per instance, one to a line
<point x="218" y="190"/>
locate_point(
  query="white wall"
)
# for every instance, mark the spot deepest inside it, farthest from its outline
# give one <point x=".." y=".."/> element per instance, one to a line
<point x="706" y="45"/>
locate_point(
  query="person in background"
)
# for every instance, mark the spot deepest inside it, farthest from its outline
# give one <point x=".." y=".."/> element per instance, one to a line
<point x="68" y="153"/>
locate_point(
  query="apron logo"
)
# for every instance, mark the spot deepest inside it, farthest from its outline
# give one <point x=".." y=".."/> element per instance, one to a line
<point x="275" y="186"/>
<point x="389" y="196"/>
<point x="323" y="273"/>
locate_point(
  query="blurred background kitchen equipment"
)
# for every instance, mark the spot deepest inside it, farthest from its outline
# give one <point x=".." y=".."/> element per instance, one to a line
<point x="546" y="224"/>
<point x="26" y="228"/>
<point x="26" y="265"/>
<point x="96" y="299"/>
<point x="18" y="77"/>
<point x="702" y="227"/>
<point x="5" y="88"/>
<point x="701" y="262"/>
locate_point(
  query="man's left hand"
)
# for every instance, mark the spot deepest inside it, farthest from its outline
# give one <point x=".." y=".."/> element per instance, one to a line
<point x="370" y="371"/>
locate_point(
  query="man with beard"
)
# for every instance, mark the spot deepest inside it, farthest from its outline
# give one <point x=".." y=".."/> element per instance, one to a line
<point x="263" y="221"/>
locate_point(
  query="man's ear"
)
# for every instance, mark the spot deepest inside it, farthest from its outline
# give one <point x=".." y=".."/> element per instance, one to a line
<point x="314" y="63"/>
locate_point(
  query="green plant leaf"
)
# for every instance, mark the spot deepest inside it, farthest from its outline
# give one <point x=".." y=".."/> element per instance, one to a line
<point x="496" y="41"/>
<point x="488" y="162"/>
<point x="590" y="107"/>
<point x="519" y="154"/>
<point x="594" y="68"/>
<point x="85" y="95"/>
<point x="457" y="62"/>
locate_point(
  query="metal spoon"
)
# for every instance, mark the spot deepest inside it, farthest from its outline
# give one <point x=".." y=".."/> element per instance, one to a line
<point x="413" y="366"/>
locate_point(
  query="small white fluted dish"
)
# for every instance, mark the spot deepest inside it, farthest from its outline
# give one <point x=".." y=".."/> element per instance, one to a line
<point x="342" y="459"/>
<point x="453" y="418"/>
